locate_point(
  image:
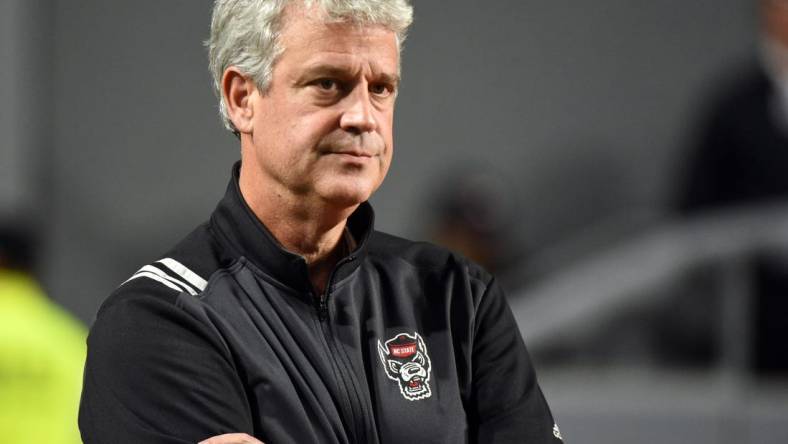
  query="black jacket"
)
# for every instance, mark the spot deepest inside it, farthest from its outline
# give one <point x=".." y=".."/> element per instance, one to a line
<point x="409" y="343"/>
<point x="741" y="153"/>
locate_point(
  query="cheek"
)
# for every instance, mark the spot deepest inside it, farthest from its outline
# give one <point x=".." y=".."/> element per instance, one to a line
<point x="303" y="135"/>
<point x="387" y="158"/>
<point x="386" y="130"/>
<point x="385" y="164"/>
<point x="312" y="128"/>
<point x="388" y="143"/>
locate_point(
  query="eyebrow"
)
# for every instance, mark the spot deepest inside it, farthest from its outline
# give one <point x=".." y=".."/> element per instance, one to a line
<point x="343" y="72"/>
<point x="393" y="79"/>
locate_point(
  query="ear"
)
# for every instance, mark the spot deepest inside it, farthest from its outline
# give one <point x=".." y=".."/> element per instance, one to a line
<point x="238" y="90"/>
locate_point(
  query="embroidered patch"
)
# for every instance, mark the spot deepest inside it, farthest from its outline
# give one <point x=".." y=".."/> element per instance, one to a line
<point x="405" y="360"/>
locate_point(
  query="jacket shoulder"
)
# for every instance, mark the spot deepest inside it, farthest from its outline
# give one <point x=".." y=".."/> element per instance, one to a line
<point x="184" y="269"/>
<point x="423" y="255"/>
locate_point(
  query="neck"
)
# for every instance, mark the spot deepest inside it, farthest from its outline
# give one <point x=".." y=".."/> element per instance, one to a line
<point x="313" y="230"/>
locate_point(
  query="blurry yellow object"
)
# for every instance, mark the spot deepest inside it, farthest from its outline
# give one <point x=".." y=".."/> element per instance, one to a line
<point x="42" y="353"/>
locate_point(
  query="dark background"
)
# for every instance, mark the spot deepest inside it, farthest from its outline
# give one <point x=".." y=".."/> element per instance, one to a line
<point x="580" y="115"/>
<point x="111" y="141"/>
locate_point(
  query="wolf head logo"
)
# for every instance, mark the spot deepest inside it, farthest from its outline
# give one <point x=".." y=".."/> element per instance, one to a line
<point x="406" y="361"/>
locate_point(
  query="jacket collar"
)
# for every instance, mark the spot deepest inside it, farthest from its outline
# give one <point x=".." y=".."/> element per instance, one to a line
<point x="239" y="230"/>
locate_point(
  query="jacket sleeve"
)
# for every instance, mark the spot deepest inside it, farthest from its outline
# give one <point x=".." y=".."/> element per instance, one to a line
<point x="156" y="374"/>
<point x="509" y="405"/>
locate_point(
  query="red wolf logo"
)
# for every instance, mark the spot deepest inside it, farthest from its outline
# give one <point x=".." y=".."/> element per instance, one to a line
<point x="406" y="361"/>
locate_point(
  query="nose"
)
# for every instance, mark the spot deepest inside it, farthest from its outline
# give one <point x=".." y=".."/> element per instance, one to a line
<point x="358" y="117"/>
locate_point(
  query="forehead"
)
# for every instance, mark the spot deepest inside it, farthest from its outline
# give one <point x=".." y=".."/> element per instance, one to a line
<point x="307" y="37"/>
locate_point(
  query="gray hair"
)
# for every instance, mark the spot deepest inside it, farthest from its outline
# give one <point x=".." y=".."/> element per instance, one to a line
<point x="245" y="34"/>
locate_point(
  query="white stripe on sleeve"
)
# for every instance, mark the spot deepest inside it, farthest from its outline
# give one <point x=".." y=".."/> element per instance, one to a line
<point x="155" y="278"/>
<point x="158" y="272"/>
<point x="181" y="270"/>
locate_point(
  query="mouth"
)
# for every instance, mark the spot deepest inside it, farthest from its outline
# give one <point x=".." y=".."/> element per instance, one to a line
<point x="355" y="154"/>
<point x="415" y="382"/>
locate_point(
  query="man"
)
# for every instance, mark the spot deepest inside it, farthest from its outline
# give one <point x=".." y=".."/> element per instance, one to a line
<point x="741" y="158"/>
<point x="42" y="349"/>
<point x="741" y="154"/>
<point x="286" y="316"/>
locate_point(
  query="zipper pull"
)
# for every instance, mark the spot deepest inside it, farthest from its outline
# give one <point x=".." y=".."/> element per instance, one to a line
<point x="322" y="309"/>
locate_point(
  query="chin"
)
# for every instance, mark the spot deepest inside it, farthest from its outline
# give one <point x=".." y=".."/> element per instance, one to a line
<point x="349" y="194"/>
<point x="348" y="199"/>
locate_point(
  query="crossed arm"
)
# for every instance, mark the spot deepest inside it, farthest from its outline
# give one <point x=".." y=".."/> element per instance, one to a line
<point x="152" y="372"/>
<point x="232" y="438"/>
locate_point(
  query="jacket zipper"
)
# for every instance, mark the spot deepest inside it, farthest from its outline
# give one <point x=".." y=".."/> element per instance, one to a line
<point x="322" y="300"/>
<point x="322" y="308"/>
<point x="322" y="313"/>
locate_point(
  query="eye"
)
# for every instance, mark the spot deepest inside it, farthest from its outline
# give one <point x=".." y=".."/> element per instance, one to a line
<point x="327" y="84"/>
<point x="327" y="87"/>
<point x="381" y="89"/>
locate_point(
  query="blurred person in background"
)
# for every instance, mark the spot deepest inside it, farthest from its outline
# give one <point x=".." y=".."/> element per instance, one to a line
<point x="42" y="351"/>
<point x="741" y="159"/>
<point x="741" y="156"/>
<point x="472" y="214"/>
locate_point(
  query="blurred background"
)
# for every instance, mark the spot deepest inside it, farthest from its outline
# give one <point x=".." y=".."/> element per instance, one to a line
<point x="622" y="167"/>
